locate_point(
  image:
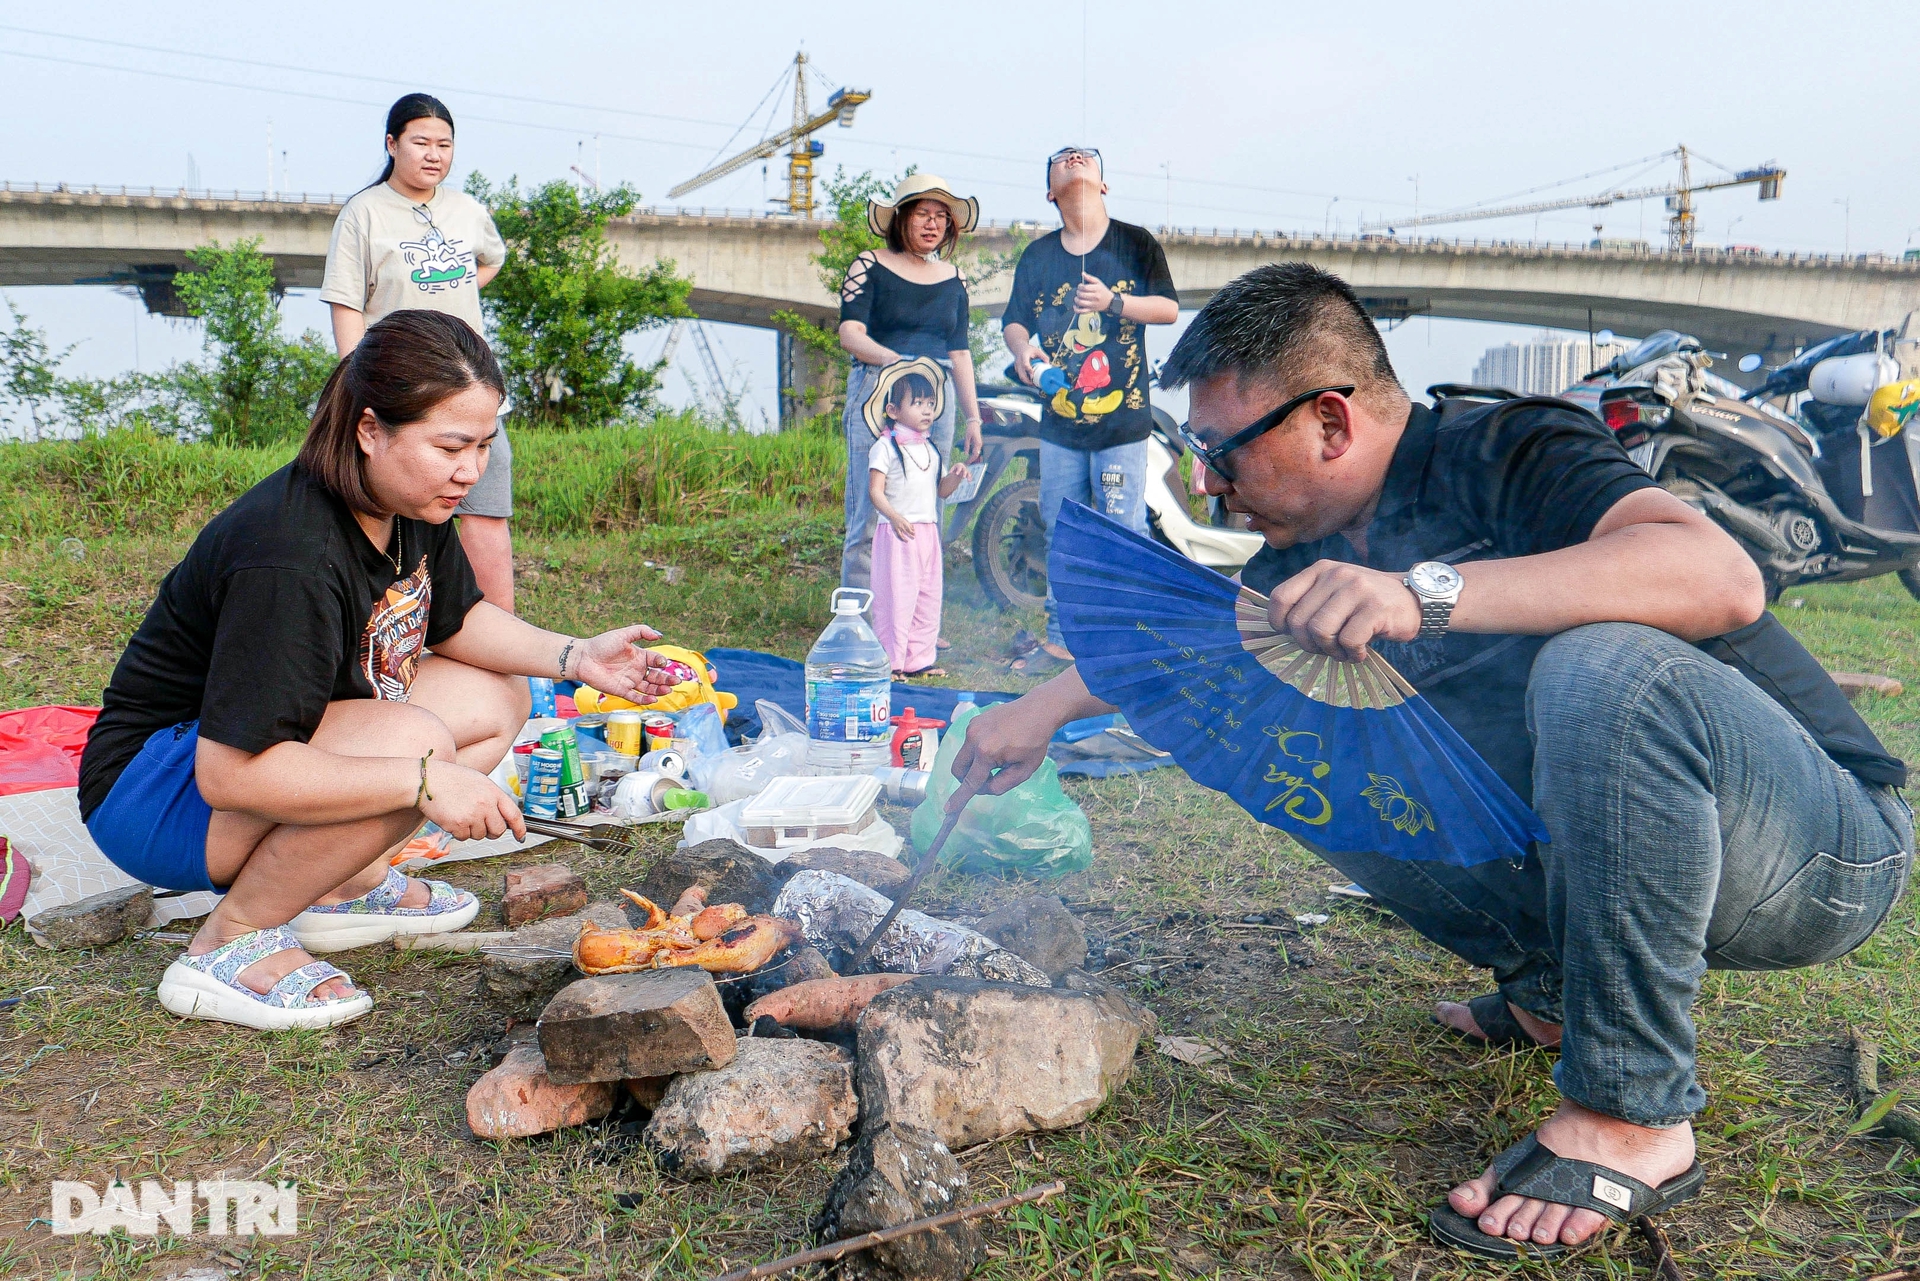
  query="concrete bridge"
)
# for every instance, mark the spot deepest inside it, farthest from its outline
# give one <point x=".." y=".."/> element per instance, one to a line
<point x="745" y="267"/>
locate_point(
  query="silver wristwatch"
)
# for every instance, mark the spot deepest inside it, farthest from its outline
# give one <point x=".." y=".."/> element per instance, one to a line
<point x="1437" y="586"/>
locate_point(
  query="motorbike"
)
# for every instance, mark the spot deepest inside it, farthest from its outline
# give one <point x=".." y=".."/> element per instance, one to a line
<point x="1823" y="490"/>
<point x="1009" y="545"/>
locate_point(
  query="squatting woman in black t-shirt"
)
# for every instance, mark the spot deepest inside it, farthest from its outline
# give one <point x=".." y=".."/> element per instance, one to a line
<point x="898" y="302"/>
<point x="276" y="727"/>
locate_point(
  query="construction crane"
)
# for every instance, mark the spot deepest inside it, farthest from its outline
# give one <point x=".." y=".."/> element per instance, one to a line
<point x="803" y="149"/>
<point x="1678" y="195"/>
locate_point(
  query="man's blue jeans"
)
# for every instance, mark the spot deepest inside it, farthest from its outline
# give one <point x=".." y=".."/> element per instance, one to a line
<point x="1111" y="481"/>
<point x="856" y="549"/>
<point x="1694" y="826"/>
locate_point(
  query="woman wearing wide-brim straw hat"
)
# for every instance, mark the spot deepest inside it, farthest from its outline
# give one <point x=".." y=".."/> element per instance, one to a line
<point x="900" y="301"/>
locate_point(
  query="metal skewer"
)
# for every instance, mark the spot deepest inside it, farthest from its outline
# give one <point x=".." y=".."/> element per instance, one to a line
<point x="964" y="795"/>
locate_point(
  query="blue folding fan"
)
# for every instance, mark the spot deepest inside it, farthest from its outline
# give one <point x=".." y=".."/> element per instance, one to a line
<point x="1347" y="756"/>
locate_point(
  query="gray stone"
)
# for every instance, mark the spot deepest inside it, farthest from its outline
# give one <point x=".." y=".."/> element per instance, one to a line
<point x="796" y="965"/>
<point x="616" y="1027"/>
<point x="875" y="871"/>
<point x="1116" y="996"/>
<point x="777" y="1103"/>
<point x="97" y="920"/>
<point x="1042" y="930"/>
<point x="972" y="1061"/>
<point x="896" y="1174"/>
<point x="727" y="870"/>
<point x="519" y="978"/>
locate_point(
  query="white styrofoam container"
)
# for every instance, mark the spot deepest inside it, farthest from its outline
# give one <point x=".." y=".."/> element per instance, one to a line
<point x="799" y="808"/>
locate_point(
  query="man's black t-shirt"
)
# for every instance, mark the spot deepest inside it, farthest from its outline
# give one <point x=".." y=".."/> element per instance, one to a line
<point x="1104" y="358"/>
<point x="281" y="606"/>
<point x="1503" y="480"/>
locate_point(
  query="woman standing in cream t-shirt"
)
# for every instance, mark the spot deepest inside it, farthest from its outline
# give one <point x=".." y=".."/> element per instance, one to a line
<point x="407" y="242"/>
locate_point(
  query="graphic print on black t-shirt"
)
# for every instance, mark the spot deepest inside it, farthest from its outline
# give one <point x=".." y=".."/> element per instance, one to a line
<point x="1104" y="357"/>
<point x="395" y="635"/>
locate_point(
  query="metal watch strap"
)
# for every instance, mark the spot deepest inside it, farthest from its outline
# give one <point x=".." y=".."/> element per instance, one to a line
<point x="1435" y="615"/>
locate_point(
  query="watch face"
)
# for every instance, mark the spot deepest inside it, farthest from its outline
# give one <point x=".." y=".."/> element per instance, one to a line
<point x="1431" y="578"/>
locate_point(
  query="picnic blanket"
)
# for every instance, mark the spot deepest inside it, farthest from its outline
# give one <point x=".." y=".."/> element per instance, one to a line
<point x="1088" y="747"/>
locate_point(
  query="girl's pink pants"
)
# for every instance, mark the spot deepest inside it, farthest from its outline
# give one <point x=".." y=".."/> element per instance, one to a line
<point x="907" y="582"/>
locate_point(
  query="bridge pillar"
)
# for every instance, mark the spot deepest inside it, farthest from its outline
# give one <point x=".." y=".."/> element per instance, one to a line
<point x="810" y="385"/>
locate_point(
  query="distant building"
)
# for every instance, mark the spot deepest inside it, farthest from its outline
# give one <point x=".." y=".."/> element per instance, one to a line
<point x="1545" y="367"/>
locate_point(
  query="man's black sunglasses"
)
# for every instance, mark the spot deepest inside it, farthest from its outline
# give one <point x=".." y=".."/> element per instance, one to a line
<point x="1092" y="153"/>
<point x="1215" y="456"/>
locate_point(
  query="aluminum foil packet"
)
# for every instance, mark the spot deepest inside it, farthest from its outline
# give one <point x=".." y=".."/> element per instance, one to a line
<point x="836" y="913"/>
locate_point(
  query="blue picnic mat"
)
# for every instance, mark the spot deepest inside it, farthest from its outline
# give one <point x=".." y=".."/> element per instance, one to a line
<point x="749" y="675"/>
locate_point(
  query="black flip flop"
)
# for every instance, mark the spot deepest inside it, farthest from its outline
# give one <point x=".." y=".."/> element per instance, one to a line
<point x="1502" y="1030"/>
<point x="1531" y="1169"/>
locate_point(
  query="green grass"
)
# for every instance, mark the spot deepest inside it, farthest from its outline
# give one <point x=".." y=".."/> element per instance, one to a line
<point x="672" y="468"/>
<point x="1341" y="1114"/>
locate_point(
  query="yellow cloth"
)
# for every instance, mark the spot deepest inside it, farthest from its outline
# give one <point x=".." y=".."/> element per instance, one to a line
<point x="1892" y="405"/>
<point x="684" y="695"/>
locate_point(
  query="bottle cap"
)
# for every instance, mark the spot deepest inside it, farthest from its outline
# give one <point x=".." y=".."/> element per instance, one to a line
<point x="851" y="600"/>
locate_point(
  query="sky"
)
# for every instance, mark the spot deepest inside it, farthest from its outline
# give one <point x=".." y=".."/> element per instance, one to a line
<point x="1285" y="117"/>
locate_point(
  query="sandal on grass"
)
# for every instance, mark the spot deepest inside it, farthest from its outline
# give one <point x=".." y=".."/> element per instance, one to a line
<point x="1500" y="1029"/>
<point x="1531" y="1169"/>
<point x="377" y="916"/>
<point x="1041" y="663"/>
<point x="924" y="671"/>
<point x="209" y="987"/>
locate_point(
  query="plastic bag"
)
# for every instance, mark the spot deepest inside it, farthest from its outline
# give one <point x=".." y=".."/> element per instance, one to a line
<point x="745" y="771"/>
<point x="701" y="723"/>
<point x="1036" y="828"/>
<point x="775" y="719"/>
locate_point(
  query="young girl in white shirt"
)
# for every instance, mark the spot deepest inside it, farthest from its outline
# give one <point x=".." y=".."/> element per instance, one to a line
<point x="906" y="483"/>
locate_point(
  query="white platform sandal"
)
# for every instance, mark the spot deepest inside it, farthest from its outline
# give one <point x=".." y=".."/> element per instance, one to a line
<point x="376" y="916"/>
<point x="209" y="987"/>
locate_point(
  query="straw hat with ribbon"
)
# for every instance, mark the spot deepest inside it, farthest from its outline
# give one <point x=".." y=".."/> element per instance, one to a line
<point x="875" y="408"/>
<point x="923" y="186"/>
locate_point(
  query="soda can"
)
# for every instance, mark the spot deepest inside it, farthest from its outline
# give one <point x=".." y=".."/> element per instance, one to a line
<point x="659" y="727"/>
<point x="573" y="800"/>
<point x="666" y="761"/>
<point x="592" y="732"/>
<point x="543" y="784"/>
<point x="563" y="741"/>
<point x="625" y="734"/>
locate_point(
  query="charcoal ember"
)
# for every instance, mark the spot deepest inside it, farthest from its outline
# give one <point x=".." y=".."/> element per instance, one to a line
<point x="895" y="1174"/>
<point x="837" y="913"/>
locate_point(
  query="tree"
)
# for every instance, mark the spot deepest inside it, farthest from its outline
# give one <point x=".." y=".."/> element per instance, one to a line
<point x="561" y="308"/>
<point x="257" y="387"/>
<point x="30" y="374"/>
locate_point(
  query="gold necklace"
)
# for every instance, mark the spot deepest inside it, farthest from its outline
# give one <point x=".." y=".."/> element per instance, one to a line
<point x="399" y="552"/>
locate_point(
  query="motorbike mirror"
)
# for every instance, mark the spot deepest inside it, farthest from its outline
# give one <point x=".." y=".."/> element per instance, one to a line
<point x="1604" y="337"/>
<point x="1750" y="362"/>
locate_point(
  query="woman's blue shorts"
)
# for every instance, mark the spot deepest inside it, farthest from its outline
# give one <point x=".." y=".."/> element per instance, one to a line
<point x="153" y="824"/>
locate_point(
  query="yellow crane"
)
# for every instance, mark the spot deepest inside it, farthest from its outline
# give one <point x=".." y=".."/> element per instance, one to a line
<point x="803" y="149"/>
<point x="1679" y="197"/>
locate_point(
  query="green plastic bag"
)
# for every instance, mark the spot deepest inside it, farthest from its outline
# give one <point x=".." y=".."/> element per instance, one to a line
<point x="1036" y="828"/>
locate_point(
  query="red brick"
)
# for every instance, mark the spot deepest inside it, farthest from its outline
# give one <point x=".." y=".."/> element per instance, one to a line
<point x="518" y="1099"/>
<point x="548" y="889"/>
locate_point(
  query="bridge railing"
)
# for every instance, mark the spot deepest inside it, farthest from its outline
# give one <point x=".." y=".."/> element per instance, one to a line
<point x="1374" y="242"/>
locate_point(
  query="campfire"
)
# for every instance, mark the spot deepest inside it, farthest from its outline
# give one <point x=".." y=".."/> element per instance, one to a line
<point x="740" y="1021"/>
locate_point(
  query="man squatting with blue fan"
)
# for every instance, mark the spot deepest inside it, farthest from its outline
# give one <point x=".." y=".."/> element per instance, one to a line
<point x="1710" y="799"/>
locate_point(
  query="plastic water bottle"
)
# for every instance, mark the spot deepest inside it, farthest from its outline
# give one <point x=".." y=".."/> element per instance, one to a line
<point x="849" y="692"/>
<point x="1050" y="379"/>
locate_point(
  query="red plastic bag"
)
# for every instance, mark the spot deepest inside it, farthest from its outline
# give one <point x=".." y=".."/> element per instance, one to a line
<point x="40" y="747"/>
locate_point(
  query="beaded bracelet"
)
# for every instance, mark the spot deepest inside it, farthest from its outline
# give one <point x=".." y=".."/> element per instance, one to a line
<point x="423" y="793"/>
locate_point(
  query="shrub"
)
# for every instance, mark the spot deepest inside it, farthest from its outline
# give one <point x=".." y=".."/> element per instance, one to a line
<point x="561" y="308"/>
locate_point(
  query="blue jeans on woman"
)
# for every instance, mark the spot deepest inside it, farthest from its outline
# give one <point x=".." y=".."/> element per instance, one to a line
<point x="1695" y="825"/>
<point x="1111" y="481"/>
<point x="856" y="553"/>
